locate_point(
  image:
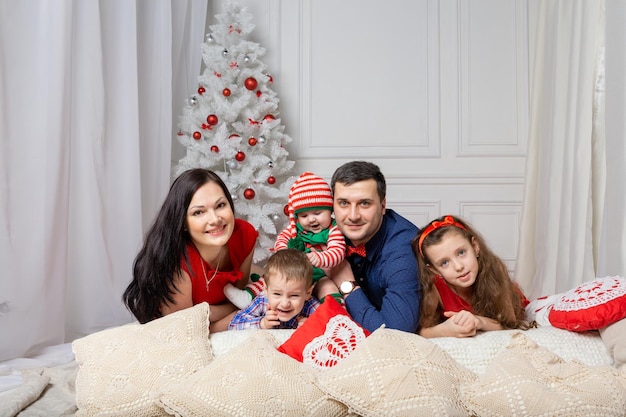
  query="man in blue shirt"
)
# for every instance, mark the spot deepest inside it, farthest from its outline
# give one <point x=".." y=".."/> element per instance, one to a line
<point x="378" y="280"/>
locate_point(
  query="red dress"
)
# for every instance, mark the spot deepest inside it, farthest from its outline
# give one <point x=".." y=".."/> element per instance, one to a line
<point x="240" y="245"/>
<point x="451" y="301"/>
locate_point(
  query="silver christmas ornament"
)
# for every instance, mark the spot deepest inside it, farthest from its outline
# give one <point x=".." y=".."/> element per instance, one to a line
<point x="234" y="197"/>
<point x="193" y="100"/>
<point x="275" y="217"/>
<point x="210" y="39"/>
<point x="232" y="164"/>
<point x="246" y="59"/>
<point x="261" y="139"/>
<point x="225" y="52"/>
<point x="270" y="164"/>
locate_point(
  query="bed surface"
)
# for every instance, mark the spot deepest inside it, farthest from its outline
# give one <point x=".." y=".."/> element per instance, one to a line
<point x="45" y="385"/>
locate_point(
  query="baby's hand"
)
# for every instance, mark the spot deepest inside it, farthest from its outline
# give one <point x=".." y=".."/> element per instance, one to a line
<point x="461" y="324"/>
<point x="270" y="320"/>
<point x="313" y="258"/>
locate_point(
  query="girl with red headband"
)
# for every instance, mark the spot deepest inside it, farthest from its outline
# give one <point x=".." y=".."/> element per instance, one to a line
<point x="465" y="287"/>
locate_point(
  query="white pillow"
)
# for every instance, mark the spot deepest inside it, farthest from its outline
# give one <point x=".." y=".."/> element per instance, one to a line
<point x="614" y="338"/>
<point x="123" y="368"/>
<point x="476" y="353"/>
<point x="224" y="342"/>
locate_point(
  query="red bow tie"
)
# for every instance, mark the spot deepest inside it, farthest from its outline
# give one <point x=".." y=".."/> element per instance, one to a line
<point x="359" y="250"/>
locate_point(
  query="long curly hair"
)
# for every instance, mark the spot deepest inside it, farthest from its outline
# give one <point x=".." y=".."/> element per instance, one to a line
<point x="494" y="294"/>
<point x="157" y="266"/>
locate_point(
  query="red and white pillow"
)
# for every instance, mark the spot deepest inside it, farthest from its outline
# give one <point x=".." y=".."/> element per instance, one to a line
<point x="592" y="305"/>
<point x="328" y="336"/>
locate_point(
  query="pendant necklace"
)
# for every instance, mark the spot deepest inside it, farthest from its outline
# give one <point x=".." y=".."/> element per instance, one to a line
<point x="208" y="280"/>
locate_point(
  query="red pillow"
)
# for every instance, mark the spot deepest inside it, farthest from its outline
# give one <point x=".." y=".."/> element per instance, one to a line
<point x="326" y="337"/>
<point x="592" y="305"/>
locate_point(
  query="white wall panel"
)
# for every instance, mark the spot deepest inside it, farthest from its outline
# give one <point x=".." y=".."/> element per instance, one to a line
<point x="493" y="74"/>
<point x="419" y="211"/>
<point x="434" y="92"/>
<point x="369" y="79"/>
<point x="498" y="222"/>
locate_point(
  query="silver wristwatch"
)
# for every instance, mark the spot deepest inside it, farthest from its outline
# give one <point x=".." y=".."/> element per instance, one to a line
<point x="347" y="287"/>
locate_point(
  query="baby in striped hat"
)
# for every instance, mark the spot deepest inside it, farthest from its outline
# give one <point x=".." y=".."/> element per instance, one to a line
<point x="312" y="230"/>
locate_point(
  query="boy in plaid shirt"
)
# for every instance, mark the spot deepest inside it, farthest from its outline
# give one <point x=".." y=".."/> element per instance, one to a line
<point x="287" y="298"/>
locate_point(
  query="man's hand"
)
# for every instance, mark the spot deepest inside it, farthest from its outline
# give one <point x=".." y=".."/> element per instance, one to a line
<point x="341" y="273"/>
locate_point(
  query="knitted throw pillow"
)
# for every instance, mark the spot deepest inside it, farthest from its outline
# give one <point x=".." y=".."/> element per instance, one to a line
<point x="529" y="380"/>
<point x="327" y="337"/>
<point x="396" y="373"/>
<point x="252" y="379"/>
<point x="123" y="368"/>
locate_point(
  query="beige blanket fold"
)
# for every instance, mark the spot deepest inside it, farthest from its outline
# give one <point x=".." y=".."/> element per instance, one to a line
<point x="14" y="401"/>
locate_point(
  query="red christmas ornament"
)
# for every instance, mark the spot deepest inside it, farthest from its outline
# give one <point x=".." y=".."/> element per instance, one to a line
<point x="226" y="92"/>
<point x="215" y="149"/>
<point x="258" y="93"/>
<point x="249" y="194"/>
<point x="180" y="133"/>
<point x="197" y="135"/>
<point x="271" y="80"/>
<point x="240" y="156"/>
<point x="233" y="136"/>
<point x="271" y="180"/>
<point x="201" y="90"/>
<point x="286" y="210"/>
<point x="250" y="83"/>
<point x="269" y="117"/>
<point x="252" y="141"/>
<point x="212" y="119"/>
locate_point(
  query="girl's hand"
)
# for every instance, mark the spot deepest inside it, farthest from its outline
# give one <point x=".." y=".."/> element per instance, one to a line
<point x="270" y="320"/>
<point x="461" y="324"/>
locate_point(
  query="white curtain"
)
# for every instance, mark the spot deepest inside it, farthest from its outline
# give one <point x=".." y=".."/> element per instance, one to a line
<point x="613" y="243"/>
<point x="568" y="199"/>
<point x="86" y="109"/>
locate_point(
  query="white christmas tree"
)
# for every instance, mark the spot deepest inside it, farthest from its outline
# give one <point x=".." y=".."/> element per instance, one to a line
<point x="231" y="126"/>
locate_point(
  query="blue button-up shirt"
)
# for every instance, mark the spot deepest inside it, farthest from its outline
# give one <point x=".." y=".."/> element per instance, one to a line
<point x="388" y="278"/>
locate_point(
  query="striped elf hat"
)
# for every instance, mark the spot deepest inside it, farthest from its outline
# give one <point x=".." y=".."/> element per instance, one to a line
<point x="308" y="192"/>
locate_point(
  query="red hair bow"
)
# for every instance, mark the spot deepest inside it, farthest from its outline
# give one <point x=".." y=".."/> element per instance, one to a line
<point x="447" y="221"/>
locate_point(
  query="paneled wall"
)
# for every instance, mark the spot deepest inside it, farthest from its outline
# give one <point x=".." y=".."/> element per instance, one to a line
<point x="434" y="92"/>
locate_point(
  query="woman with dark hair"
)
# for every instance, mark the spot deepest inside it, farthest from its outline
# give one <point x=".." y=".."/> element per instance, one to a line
<point x="192" y="250"/>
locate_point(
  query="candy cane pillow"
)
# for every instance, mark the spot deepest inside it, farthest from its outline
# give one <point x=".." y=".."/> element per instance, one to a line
<point x="328" y="336"/>
<point x="590" y="306"/>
